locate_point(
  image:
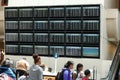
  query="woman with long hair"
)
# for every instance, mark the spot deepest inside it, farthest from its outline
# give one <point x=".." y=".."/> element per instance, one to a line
<point x="36" y="72"/>
<point x="67" y="74"/>
<point x="77" y="74"/>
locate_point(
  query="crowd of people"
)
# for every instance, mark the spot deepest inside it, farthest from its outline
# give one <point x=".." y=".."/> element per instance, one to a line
<point x="35" y="72"/>
<point x="23" y="71"/>
<point x="77" y="74"/>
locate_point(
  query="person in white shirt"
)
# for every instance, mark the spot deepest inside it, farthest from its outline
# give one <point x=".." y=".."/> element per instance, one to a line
<point x="78" y="74"/>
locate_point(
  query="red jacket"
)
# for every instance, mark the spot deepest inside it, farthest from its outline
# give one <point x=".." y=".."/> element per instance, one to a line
<point x="84" y="78"/>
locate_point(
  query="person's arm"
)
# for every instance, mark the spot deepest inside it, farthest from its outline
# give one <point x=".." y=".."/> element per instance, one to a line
<point x="65" y="75"/>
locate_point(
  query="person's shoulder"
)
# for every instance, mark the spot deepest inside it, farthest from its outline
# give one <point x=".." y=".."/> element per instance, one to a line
<point x="66" y="71"/>
<point x="36" y="67"/>
<point x="40" y="68"/>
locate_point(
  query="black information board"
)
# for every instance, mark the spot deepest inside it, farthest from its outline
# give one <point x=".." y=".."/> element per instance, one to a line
<point x="69" y="30"/>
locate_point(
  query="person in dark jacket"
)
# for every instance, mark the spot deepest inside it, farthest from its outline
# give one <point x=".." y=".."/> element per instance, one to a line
<point x="5" y="68"/>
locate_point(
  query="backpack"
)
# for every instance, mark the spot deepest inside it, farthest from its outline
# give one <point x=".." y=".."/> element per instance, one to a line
<point x="60" y="75"/>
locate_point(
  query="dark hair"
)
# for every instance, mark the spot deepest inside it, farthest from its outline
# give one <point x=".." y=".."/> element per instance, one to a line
<point x="43" y="66"/>
<point x="49" y="69"/>
<point x="87" y="72"/>
<point x="6" y="63"/>
<point x="67" y="65"/>
<point x="78" y="66"/>
<point x="26" y="73"/>
<point x="36" y="58"/>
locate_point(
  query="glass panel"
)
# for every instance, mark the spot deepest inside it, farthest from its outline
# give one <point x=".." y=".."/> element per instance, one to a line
<point x="91" y="11"/>
<point x="11" y="25"/>
<point x="56" y="25"/>
<point x="26" y="49"/>
<point x="57" y="49"/>
<point x="73" y="25"/>
<point x="41" y="12"/>
<point x="91" y="38"/>
<point x="26" y="37"/>
<point x="11" y="49"/>
<point x="41" y="50"/>
<point x="24" y="25"/>
<point x="91" y="51"/>
<point x="11" y="37"/>
<point x="41" y="37"/>
<point x="11" y="13"/>
<point x="56" y="12"/>
<point x="26" y="12"/>
<point x="41" y="25"/>
<point x="91" y="25"/>
<point x="57" y="38"/>
<point x="73" y="11"/>
<point x="73" y="51"/>
<point x="73" y="38"/>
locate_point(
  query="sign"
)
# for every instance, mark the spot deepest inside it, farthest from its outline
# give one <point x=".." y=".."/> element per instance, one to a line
<point x="56" y="55"/>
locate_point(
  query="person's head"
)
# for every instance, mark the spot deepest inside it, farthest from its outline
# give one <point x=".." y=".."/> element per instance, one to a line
<point x="43" y="66"/>
<point x="24" y="58"/>
<point x="37" y="59"/>
<point x="79" y="67"/>
<point x="87" y="73"/>
<point x="6" y="63"/>
<point x="69" y="65"/>
<point x="49" y="69"/>
<point x="7" y="59"/>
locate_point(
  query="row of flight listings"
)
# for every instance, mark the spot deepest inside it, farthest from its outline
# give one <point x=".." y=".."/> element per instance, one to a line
<point x="86" y="11"/>
<point x="62" y="25"/>
<point x="50" y="50"/>
<point x="53" y="38"/>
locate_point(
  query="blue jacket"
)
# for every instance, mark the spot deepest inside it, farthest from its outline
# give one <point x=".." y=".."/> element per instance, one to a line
<point x="7" y="71"/>
<point x="67" y="74"/>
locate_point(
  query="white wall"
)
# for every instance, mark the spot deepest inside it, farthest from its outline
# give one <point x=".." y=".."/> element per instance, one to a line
<point x="52" y="2"/>
<point x="107" y="3"/>
<point x="103" y="35"/>
<point x="112" y="19"/>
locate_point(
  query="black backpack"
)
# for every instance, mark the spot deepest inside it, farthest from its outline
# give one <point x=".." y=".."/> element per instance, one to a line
<point x="60" y="75"/>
